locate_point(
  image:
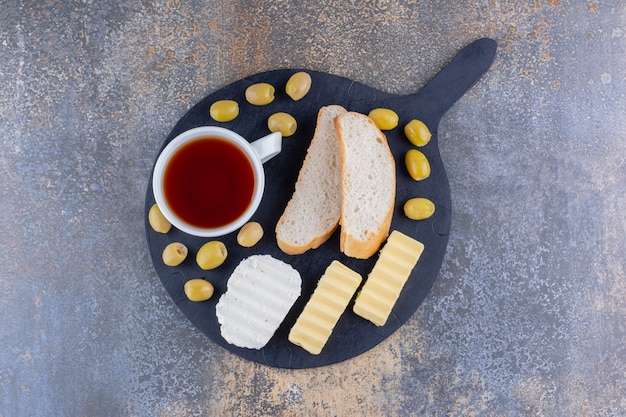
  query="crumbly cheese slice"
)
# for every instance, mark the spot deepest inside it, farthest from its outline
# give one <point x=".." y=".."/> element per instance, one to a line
<point x="391" y="271"/>
<point x="259" y="294"/>
<point x="321" y="313"/>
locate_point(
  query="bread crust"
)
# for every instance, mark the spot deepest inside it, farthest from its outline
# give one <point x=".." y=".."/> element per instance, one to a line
<point x="349" y="244"/>
<point x="315" y="243"/>
<point x="355" y="248"/>
<point x="318" y="240"/>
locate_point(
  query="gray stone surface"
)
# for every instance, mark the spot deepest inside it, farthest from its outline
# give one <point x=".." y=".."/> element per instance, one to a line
<point x="528" y="315"/>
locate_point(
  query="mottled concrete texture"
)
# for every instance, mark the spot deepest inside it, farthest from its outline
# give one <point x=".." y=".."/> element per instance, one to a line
<point x="528" y="315"/>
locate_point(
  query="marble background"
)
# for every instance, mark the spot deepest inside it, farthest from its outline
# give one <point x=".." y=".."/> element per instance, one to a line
<point x="527" y="317"/>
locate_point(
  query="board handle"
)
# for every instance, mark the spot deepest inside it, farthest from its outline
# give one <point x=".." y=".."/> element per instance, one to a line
<point x="455" y="79"/>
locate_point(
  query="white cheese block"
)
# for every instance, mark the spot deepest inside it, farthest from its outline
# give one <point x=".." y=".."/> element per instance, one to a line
<point x="258" y="296"/>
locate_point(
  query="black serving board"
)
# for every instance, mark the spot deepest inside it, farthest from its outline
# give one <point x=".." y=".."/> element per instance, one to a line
<point x="352" y="335"/>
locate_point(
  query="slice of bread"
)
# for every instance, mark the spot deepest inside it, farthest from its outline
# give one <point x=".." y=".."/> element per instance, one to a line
<point x="368" y="184"/>
<point x="313" y="213"/>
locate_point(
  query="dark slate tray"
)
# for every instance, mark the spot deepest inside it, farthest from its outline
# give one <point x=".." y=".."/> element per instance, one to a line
<point x="352" y="335"/>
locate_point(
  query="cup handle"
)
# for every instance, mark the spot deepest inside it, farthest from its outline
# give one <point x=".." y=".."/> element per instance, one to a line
<point x="268" y="146"/>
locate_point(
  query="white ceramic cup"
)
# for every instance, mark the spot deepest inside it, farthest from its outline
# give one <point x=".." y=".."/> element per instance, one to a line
<point x="257" y="152"/>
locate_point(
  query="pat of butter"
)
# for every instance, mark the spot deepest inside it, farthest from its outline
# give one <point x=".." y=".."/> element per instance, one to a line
<point x="260" y="292"/>
<point x="384" y="284"/>
<point x="321" y="313"/>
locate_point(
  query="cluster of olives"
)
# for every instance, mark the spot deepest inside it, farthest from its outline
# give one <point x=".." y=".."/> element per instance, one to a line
<point x="415" y="161"/>
<point x="210" y="255"/>
<point x="261" y="94"/>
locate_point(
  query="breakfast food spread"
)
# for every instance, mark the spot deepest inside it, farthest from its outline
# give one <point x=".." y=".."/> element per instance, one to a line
<point x="328" y="302"/>
<point x="391" y="271"/>
<point x="352" y="334"/>
<point x="368" y="184"/>
<point x="313" y="213"/>
<point x="347" y="179"/>
<point x="260" y="292"/>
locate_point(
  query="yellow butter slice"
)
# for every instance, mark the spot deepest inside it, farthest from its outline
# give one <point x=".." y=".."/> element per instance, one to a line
<point x="321" y="313"/>
<point x="384" y="284"/>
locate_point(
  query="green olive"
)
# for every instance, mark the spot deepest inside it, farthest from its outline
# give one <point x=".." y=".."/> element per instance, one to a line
<point x="298" y="85"/>
<point x="260" y="94"/>
<point x="385" y="119"/>
<point x="417" y="164"/>
<point x="417" y="132"/>
<point x="419" y="208"/>
<point x="224" y="110"/>
<point x="211" y="255"/>
<point x="250" y="234"/>
<point x="283" y="123"/>
<point x="198" y="289"/>
<point x="157" y="220"/>
<point x="174" y="254"/>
